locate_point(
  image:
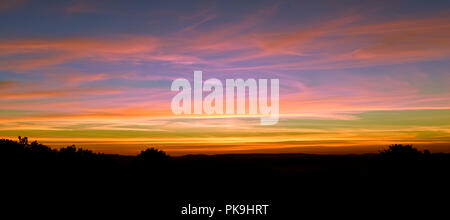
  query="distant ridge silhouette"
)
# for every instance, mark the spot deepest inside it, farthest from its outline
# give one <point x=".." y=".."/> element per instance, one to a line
<point x="399" y="176"/>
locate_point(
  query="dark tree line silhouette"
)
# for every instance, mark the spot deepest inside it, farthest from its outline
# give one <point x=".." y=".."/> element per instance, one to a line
<point x="396" y="161"/>
<point x="23" y="149"/>
<point x="153" y="155"/>
<point x="71" y="174"/>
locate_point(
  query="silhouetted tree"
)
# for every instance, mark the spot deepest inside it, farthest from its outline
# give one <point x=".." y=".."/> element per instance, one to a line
<point x="401" y="151"/>
<point x="152" y="156"/>
<point x="401" y="161"/>
<point x="11" y="148"/>
<point x="39" y="148"/>
<point x="23" y="140"/>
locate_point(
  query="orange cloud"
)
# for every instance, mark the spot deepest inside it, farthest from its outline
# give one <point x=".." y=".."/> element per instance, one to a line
<point x="6" y="84"/>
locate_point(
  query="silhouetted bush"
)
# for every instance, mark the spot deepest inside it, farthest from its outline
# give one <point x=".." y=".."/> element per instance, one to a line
<point x="399" y="151"/>
<point x="152" y="156"/>
<point x="74" y="152"/>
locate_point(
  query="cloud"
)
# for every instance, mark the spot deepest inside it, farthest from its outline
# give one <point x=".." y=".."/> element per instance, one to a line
<point x="7" y="84"/>
<point x="81" y="7"/>
<point x="344" y="42"/>
<point x="39" y="94"/>
<point x="11" y="4"/>
<point x="248" y="45"/>
<point x="348" y="41"/>
<point x="50" y="52"/>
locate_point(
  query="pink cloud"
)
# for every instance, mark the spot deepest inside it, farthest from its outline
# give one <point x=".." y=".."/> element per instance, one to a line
<point x="338" y="43"/>
<point x="10" y="4"/>
<point x="81" y="7"/>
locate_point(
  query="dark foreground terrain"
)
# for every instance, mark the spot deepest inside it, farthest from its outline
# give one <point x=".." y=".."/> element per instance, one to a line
<point x="71" y="182"/>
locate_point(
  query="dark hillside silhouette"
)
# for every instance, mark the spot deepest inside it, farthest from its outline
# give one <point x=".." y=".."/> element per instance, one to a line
<point x="398" y="175"/>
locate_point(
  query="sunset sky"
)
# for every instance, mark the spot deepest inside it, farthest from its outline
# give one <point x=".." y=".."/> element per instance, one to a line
<point x="355" y="76"/>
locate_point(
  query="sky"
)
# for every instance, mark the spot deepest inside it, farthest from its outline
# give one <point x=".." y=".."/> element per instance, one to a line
<point x="355" y="76"/>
